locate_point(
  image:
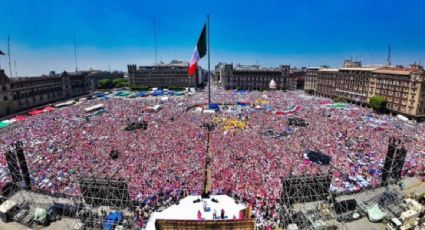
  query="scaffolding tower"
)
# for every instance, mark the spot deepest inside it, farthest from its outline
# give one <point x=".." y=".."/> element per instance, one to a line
<point x="102" y="201"/>
<point x="307" y="202"/>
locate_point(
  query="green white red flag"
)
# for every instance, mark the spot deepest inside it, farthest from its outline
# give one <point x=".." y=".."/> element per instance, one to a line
<point x="199" y="52"/>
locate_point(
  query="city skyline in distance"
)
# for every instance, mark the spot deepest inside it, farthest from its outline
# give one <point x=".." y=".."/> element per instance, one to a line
<point x="111" y="34"/>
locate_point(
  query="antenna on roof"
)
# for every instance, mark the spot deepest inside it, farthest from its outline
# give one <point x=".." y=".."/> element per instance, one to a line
<point x="389" y="56"/>
<point x="75" y="54"/>
<point x="154" y="40"/>
<point x="16" y="70"/>
<point x="8" y="54"/>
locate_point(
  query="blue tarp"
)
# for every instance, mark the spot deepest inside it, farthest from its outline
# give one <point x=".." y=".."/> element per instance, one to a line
<point x="142" y="94"/>
<point x="179" y="93"/>
<point x="122" y="94"/>
<point x="242" y="103"/>
<point x="214" y="106"/>
<point x="267" y="107"/>
<point x="158" y="93"/>
<point x="111" y="219"/>
<point x="170" y="93"/>
<point x="240" y="91"/>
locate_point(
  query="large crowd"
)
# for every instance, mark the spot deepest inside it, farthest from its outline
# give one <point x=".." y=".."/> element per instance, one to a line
<point x="167" y="160"/>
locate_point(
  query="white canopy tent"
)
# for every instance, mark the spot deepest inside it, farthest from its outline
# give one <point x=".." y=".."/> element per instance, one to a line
<point x="187" y="209"/>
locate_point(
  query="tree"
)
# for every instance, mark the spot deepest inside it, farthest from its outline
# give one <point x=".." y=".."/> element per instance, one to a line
<point x="340" y="100"/>
<point x="309" y="91"/>
<point x="175" y="88"/>
<point x="378" y="103"/>
<point x="120" y="82"/>
<point x="105" y="84"/>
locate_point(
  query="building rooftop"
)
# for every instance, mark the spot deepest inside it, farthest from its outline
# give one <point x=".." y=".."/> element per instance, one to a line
<point x="328" y="70"/>
<point x="248" y="67"/>
<point x="42" y="77"/>
<point x="255" y="68"/>
<point x="393" y="71"/>
<point x="29" y="78"/>
<point x="170" y="64"/>
<point x="174" y="63"/>
<point x="359" y="69"/>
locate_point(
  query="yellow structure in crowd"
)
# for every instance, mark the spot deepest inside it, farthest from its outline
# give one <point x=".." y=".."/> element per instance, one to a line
<point x="230" y="123"/>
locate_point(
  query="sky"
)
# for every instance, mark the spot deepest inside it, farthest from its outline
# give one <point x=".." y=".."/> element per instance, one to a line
<point x="111" y="34"/>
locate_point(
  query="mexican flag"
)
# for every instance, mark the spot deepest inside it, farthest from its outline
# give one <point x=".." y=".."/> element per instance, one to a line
<point x="291" y="109"/>
<point x="200" y="51"/>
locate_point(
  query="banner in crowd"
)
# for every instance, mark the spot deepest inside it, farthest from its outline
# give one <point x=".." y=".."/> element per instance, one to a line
<point x="291" y="109"/>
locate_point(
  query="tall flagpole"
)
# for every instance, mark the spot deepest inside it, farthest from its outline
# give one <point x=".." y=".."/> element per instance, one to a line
<point x="207" y="184"/>
<point x="75" y="54"/>
<point x="8" y="54"/>
<point x="209" y="76"/>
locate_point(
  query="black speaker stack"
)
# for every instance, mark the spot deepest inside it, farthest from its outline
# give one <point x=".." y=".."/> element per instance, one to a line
<point x="17" y="165"/>
<point x="394" y="161"/>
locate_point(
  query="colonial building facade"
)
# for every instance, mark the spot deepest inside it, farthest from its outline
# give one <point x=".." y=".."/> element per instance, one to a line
<point x="174" y="74"/>
<point x="252" y="77"/>
<point x="404" y="88"/>
<point x="297" y="79"/>
<point x="310" y="78"/>
<point x="17" y="94"/>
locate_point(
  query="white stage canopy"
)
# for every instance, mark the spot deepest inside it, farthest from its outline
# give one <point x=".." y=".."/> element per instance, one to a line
<point x="187" y="210"/>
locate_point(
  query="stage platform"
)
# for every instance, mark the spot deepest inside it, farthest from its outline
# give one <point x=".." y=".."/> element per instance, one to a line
<point x="187" y="210"/>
